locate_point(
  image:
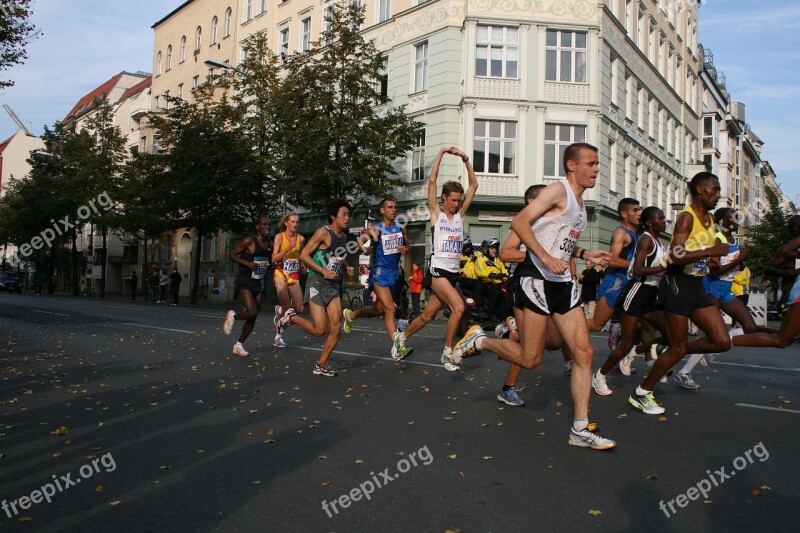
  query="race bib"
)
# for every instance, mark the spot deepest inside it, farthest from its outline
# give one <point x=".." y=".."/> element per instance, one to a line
<point x="291" y="266"/>
<point x="335" y="264"/>
<point x="567" y="245"/>
<point x="451" y="247"/>
<point x="262" y="265"/>
<point x="391" y="243"/>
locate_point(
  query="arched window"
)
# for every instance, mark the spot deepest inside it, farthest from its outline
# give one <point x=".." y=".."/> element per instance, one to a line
<point x="214" y="30"/>
<point x="183" y="50"/>
<point x="169" y="57"/>
<point x="228" y="18"/>
<point x="198" y="36"/>
<point x="158" y="64"/>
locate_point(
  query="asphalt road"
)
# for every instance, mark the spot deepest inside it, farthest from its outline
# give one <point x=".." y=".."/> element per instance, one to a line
<point x="145" y="422"/>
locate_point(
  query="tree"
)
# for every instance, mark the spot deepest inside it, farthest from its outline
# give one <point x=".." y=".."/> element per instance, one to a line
<point x="336" y="142"/>
<point x="771" y="233"/>
<point x="16" y="32"/>
<point x="204" y="166"/>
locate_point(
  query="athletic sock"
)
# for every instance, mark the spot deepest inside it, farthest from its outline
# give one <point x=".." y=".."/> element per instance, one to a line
<point x="579" y="424"/>
<point x="691" y="363"/>
<point x="479" y="343"/>
<point x="641" y="392"/>
<point x="507" y="387"/>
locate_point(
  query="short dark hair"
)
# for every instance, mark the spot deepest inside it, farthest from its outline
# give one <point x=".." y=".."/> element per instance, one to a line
<point x="625" y="204"/>
<point x="333" y="208"/>
<point x="452" y="186"/>
<point x="721" y="213"/>
<point x="573" y="151"/>
<point x="387" y="199"/>
<point x="699" y="179"/>
<point x="647" y="214"/>
<point x="533" y="191"/>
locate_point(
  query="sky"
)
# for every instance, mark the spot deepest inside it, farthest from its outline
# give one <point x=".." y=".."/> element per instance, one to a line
<point x="86" y="42"/>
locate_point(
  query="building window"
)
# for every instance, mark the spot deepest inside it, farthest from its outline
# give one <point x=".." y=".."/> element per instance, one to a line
<point x="263" y="7"/>
<point x="195" y="82"/>
<point x="180" y="91"/>
<point x="709" y="135"/>
<point x="214" y="22"/>
<point x="651" y="118"/>
<point x="228" y="18"/>
<point x="641" y="33"/>
<point x="248" y="10"/>
<point x="640" y="109"/>
<point x="630" y="16"/>
<point x="497" y="54"/>
<point x="384" y="10"/>
<point x="243" y="54"/>
<point x="495" y="147"/>
<point x="166" y="99"/>
<point x="158" y="64"/>
<point x="305" y="34"/>
<point x="556" y="139"/>
<point x="284" y="46"/>
<point x="421" y="67"/>
<point x="198" y="38"/>
<point x="418" y="157"/>
<point x="383" y="78"/>
<point x="628" y="96"/>
<point x="626" y="168"/>
<point x="328" y="17"/>
<point x="612" y="166"/>
<point x="182" y="53"/>
<point x="614" y="81"/>
<point x="169" y="57"/>
<point x="566" y="56"/>
<point x="210" y="249"/>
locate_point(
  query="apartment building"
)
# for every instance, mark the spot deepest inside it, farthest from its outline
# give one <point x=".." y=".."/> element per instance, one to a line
<point x="512" y="83"/>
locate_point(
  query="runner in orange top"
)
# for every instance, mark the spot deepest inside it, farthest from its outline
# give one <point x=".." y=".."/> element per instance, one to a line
<point x="286" y="258"/>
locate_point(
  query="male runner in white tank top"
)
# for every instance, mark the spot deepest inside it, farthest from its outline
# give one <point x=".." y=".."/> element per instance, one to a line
<point x="549" y="227"/>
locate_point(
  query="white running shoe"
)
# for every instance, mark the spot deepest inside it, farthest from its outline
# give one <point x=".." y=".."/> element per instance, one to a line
<point x="685" y="381"/>
<point x="625" y="363"/>
<point x="284" y="322"/>
<point x="646" y="403"/>
<point x="586" y="439"/>
<point x="227" y="324"/>
<point x="448" y="363"/>
<point x="468" y="344"/>
<point x="239" y="350"/>
<point x="599" y="384"/>
<point x="735" y="332"/>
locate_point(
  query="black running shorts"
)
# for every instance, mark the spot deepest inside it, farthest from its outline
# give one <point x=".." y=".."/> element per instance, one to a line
<point x="681" y="294"/>
<point x="637" y="299"/>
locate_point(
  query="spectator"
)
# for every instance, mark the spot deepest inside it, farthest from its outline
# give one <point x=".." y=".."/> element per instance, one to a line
<point x="400" y="296"/>
<point x="492" y="273"/>
<point x="134" y="284"/>
<point x="741" y="285"/>
<point x="152" y="283"/>
<point x="163" y="279"/>
<point x="467" y="276"/>
<point x="415" y="287"/>
<point x="175" y="286"/>
<point x="589" y="280"/>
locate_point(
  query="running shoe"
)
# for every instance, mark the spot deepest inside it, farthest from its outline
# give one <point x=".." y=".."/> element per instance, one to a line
<point x="645" y="403"/>
<point x="284" y="322"/>
<point x="397" y="345"/>
<point x="279" y="342"/>
<point x="278" y="313"/>
<point x="599" y="384"/>
<point x="586" y="439"/>
<point x="468" y="344"/>
<point x="323" y="370"/>
<point x="511" y="324"/>
<point x="685" y="381"/>
<point x="227" y="324"/>
<point x="348" y="321"/>
<point x="568" y="368"/>
<point x="614" y="335"/>
<point x="625" y="363"/>
<point x="501" y="331"/>
<point x="403" y="352"/>
<point x="510" y="397"/>
<point x="709" y="358"/>
<point x="402" y="324"/>
<point x="239" y="350"/>
<point x="447" y="361"/>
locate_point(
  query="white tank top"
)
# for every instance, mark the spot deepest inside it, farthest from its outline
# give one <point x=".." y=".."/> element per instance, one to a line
<point x="654" y="258"/>
<point x="447" y="237"/>
<point x="558" y="235"/>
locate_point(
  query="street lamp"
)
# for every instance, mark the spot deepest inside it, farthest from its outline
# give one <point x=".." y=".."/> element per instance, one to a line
<point x="677" y="206"/>
<point x="211" y="62"/>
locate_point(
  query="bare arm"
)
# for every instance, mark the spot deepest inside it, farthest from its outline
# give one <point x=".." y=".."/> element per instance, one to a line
<point x="643" y="249"/>
<point x="406" y="243"/>
<point x="433" y="199"/>
<point x="678" y="254"/>
<point x="472" y="186"/>
<point x="510" y="253"/>
<point x="246" y="244"/>
<point x="619" y="240"/>
<point x="552" y="198"/>
<point x="785" y="253"/>
<point x="320" y="238"/>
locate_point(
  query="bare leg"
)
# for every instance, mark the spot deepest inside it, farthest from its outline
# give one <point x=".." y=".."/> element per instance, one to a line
<point x="629" y="326"/>
<point x="790" y="327"/>
<point x="450" y="296"/>
<point x="249" y="315"/>
<point x="602" y="314"/>
<point x="428" y="314"/>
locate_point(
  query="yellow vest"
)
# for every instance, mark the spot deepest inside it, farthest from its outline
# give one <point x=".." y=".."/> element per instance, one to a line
<point x="699" y="238"/>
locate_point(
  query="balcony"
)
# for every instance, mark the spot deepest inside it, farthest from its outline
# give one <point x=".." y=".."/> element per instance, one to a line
<point x="566" y="93"/>
<point x="497" y="88"/>
<point x="494" y="185"/>
<point x="139" y="112"/>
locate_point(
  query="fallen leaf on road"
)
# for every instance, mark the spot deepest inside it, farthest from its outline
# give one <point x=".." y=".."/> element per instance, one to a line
<point x="708" y="502"/>
<point x="487" y="457"/>
<point x="595" y="512"/>
<point x="359" y="462"/>
<point x="61" y="431"/>
<point x="98" y="488"/>
<point x="756" y="492"/>
<point x="325" y="484"/>
<point x="662" y="418"/>
<point x="652" y="477"/>
<point x="452" y="456"/>
<point x="164" y="467"/>
<point x="115" y="503"/>
<point x="322" y="457"/>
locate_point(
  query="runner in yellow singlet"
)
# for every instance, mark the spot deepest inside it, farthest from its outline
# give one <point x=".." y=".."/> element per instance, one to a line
<point x="286" y="258"/>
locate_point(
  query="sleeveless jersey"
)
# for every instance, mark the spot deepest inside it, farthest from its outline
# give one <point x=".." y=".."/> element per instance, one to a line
<point x="291" y="261"/>
<point x="733" y="255"/>
<point x="699" y="238"/>
<point x="387" y="248"/>
<point x="653" y="258"/>
<point x="260" y="256"/>
<point x="331" y="258"/>
<point x="626" y="253"/>
<point x="446" y="238"/>
<point x="558" y="235"/>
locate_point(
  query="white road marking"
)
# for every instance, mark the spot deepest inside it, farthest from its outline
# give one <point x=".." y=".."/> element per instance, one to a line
<point x="767" y="408"/>
<point x="155" y="327"/>
<point x="49" y="312"/>
<point x="789" y="369"/>
<point x="412" y="337"/>
<point x="220" y="316"/>
<point x="408" y="361"/>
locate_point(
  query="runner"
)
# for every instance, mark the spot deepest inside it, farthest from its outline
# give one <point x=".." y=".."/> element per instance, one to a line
<point x="550" y="227"/>
<point x="286" y="278"/>
<point x="447" y="232"/>
<point x="324" y="255"/>
<point x="638" y="298"/>
<point x="390" y="243"/>
<point x="623" y="242"/>
<point x="253" y="257"/>
<point x="692" y="249"/>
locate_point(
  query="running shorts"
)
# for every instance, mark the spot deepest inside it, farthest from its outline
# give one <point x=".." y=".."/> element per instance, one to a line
<point x="637" y="299"/>
<point x="611" y="287"/>
<point x="719" y="289"/>
<point x="681" y="294"/>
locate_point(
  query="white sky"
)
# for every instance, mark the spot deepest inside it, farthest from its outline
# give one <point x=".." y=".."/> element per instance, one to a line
<point x="86" y="42"/>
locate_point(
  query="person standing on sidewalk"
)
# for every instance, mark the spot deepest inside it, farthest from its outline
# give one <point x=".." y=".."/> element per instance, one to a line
<point x="175" y="285"/>
<point x="134" y="284"/>
<point x="253" y="256"/>
<point x="415" y="287"/>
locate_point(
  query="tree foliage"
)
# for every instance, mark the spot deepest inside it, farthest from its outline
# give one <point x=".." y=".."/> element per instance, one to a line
<point x="16" y="31"/>
<point x="771" y="233"/>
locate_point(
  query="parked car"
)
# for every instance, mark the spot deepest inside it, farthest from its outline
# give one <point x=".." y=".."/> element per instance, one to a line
<point x="10" y="283"/>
